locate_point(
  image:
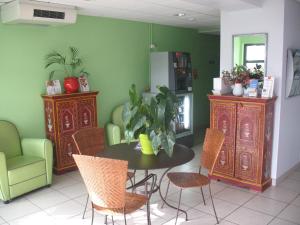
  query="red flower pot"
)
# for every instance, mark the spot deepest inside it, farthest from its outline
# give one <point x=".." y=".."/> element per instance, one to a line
<point x="71" y="84"/>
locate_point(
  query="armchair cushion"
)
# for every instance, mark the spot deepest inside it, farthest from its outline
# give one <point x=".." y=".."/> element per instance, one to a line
<point x="9" y="139"/>
<point x="117" y="118"/>
<point x="23" y="168"/>
<point x="113" y="134"/>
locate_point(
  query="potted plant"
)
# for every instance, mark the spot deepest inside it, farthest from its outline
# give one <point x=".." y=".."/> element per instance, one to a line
<point x="152" y="120"/>
<point x="258" y="74"/>
<point x="70" y="66"/>
<point x="238" y="78"/>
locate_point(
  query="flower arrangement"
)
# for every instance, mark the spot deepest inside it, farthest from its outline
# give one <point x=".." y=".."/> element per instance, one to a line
<point x="241" y="74"/>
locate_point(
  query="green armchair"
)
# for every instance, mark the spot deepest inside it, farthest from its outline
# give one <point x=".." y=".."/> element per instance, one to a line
<point x="115" y="129"/>
<point x="25" y="164"/>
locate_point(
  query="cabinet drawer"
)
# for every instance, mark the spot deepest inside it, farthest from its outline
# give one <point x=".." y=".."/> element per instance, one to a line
<point x="223" y="117"/>
<point x="67" y="117"/>
<point x="248" y="141"/>
<point x="66" y="147"/>
<point x="87" y="113"/>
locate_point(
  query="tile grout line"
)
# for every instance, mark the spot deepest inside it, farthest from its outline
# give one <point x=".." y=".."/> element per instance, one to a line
<point x="224" y="218"/>
<point x="240" y="206"/>
<point x="5" y="222"/>
<point x="276" y="217"/>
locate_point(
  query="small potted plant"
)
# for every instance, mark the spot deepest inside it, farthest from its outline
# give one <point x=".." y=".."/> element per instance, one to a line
<point x="70" y="66"/>
<point x="239" y="78"/>
<point x="152" y="120"/>
<point x="258" y="74"/>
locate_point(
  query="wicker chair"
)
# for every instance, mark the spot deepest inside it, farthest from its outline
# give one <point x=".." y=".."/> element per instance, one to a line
<point x="212" y="145"/>
<point x="105" y="180"/>
<point x="90" y="141"/>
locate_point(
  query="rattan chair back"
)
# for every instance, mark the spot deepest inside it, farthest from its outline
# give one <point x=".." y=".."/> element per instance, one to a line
<point x="89" y="141"/>
<point x="213" y="143"/>
<point x="105" y="180"/>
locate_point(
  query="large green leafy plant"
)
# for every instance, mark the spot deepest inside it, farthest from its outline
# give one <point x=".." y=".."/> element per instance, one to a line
<point x="70" y="64"/>
<point x="154" y="117"/>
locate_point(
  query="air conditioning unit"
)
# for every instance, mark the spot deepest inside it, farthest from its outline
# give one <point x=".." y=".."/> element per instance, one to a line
<point x="24" y="11"/>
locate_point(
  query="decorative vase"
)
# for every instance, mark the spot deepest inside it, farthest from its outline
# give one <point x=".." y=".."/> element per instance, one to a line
<point x="238" y="89"/>
<point x="71" y="85"/>
<point x="146" y="144"/>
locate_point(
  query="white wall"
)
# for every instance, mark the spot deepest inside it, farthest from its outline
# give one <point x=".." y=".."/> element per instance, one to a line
<point x="289" y="141"/>
<point x="270" y="19"/>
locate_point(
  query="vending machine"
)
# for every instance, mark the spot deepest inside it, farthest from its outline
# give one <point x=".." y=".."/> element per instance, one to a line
<point x="174" y="70"/>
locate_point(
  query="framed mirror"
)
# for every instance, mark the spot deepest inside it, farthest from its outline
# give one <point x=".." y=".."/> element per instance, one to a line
<point x="250" y="49"/>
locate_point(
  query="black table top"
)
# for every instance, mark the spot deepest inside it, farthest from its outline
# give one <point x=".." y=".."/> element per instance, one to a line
<point x="138" y="161"/>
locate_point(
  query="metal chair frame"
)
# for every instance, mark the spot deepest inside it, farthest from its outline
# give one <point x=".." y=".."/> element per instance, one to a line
<point x="180" y="194"/>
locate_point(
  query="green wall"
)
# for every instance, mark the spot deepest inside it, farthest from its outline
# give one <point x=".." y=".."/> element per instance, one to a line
<point x="115" y="52"/>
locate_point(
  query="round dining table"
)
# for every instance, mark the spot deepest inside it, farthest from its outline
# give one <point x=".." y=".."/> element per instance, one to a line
<point x="139" y="161"/>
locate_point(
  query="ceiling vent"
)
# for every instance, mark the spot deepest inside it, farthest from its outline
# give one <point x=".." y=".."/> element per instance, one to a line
<point x="24" y="11"/>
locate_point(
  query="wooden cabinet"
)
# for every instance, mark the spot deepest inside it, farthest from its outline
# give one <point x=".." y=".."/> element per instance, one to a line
<point x="245" y="158"/>
<point x="64" y="115"/>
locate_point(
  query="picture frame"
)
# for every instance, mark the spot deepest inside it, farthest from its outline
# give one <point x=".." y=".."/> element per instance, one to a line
<point x="268" y="88"/>
<point x="293" y="73"/>
<point x="83" y="84"/>
<point x="53" y="87"/>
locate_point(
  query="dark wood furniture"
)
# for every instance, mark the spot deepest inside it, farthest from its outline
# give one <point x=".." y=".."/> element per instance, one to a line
<point x="245" y="158"/>
<point x="64" y="115"/>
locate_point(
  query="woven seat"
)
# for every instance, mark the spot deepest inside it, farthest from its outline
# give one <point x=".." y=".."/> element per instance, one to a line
<point x="90" y="141"/>
<point x="132" y="203"/>
<point x="212" y="145"/>
<point x="188" y="180"/>
<point x="105" y="181"/>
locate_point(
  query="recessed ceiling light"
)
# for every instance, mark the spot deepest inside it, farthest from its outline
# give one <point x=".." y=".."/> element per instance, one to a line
<point x="180" y="14"/>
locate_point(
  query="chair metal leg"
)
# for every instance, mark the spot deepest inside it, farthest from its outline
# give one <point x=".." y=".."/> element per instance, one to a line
<point x="162" y="198"/>
<point x="178" y="205"/>
<point x="87" y="201"/>
<point x="131" y="184"/>
<point x="212" y="201"/>
<point x="105" y="220"/>
<point x="166" y="194"/>
<point x="112" y="219"/>
<point x="124" y="214"/>
<point x="203" y="196"/>
<point x="148" y="214"/>
<point x="125" y="219"/>
<point x="92" y="214"/>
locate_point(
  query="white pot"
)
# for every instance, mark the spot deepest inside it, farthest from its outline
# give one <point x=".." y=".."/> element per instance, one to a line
<point x="238" y="89"/>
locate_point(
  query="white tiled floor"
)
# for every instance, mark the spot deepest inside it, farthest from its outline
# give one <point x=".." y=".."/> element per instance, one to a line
<point x="63" y="203"/>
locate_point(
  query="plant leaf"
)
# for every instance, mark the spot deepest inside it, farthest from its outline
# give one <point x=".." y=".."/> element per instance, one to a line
<point x="155" y="141"/>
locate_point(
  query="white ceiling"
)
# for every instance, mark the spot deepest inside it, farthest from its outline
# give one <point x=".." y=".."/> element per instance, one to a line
<point x="200" y="14"/>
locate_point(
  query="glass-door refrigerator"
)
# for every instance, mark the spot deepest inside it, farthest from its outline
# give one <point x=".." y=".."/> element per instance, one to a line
<point x="184" y="120"/>
<point x="174" y="70"/>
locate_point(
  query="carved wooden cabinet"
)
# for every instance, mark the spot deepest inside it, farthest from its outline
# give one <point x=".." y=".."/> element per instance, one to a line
<point x="64" y="115"/>
<point x="247" y="123"/>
